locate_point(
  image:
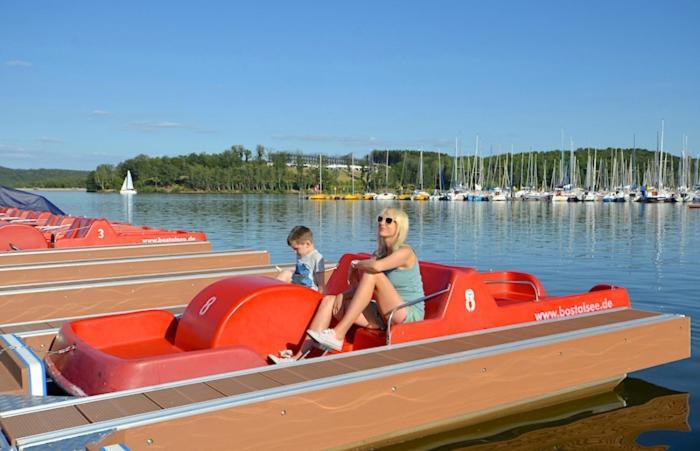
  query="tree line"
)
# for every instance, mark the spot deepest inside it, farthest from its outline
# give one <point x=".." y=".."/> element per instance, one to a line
<point x="239" y="169"/>
<point x="42" y="178"/>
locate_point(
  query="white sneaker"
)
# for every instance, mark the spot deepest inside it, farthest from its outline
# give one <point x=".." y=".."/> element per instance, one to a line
<point x="326" y="338"/>
<point x="285" y="356"/>
<point x="280" y="360"/>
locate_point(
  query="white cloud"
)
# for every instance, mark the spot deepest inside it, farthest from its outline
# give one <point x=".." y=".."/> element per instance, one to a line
<point x="154" y="126"/>
<point x="331" y="139"/>
<point x="14" y="152"/>
<point x="100" y="113"/>
<point x="433" y="142"/>
<point x="371" y="141"/>
<point x="47" y="140"/>
<point x="18" y="63"/>
<point x="151" y="126"/>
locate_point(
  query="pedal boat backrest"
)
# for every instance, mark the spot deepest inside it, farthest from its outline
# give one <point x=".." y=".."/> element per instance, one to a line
<point x="259" y="312"/>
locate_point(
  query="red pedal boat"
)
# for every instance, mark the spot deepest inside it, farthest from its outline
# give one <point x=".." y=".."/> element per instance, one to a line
<point x="26" y="229"/>
<point x="235" y="323"/>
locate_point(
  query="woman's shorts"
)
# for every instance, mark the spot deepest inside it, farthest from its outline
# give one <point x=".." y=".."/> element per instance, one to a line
<point x="413" y="313"/>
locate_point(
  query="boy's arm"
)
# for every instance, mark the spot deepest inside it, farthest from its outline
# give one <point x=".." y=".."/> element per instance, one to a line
<point x="320" y="275"/>
<point x="320" y="279"/>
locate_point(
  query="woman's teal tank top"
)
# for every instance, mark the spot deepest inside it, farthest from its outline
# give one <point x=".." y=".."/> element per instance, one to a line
<point x="409" y="285"/>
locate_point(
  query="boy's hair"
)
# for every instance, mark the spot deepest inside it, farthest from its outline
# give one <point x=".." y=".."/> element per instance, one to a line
<point x="299" y="234"/>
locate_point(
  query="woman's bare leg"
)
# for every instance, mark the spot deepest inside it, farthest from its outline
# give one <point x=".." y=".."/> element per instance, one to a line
<point x="324" y="313"/>
<point x="321" y="320"/>
<point x="386" y="295"/>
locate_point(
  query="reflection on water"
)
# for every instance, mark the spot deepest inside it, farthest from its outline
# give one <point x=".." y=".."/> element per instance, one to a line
<point x="128" y="207"/>
<point x="646" y="248"/>
<point x="621" y="419"/>
<point x="652" y="250"/>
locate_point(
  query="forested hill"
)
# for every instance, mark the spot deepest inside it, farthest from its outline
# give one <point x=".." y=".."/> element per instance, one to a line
<point x="42" y="178"/>
<point x="243" y="170"/>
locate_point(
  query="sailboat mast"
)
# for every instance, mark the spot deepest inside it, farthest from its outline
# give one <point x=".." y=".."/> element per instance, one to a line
<point x="476" y="172"/>
<point x="420" y="175"/>
<point x="352" y="172"/>
<point x="561" y="158"/>
<point x="511" y="171"/>
<point x="439" y="173"/>
<point x="572" y="160"/>
<point x="454" y="167"/>
<point x="661" y="155"/>
<point x="634" y="159"/>
<point x="386" y="172"/>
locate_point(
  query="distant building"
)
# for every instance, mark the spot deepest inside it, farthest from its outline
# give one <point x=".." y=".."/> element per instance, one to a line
<point x="333" y="162"/>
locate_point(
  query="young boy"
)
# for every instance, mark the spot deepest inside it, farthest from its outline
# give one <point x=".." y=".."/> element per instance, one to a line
<point x="309" y="272"/>
<point x="310" y="267"/>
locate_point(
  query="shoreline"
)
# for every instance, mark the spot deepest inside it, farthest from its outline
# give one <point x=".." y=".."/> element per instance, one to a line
<point x="34" y="188"/>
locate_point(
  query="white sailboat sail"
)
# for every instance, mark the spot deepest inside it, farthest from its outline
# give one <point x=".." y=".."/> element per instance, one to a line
<point x="127" y="184"/>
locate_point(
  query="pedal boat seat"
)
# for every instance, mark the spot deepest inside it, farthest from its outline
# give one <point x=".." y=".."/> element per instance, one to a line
<point x="230" y="325"/>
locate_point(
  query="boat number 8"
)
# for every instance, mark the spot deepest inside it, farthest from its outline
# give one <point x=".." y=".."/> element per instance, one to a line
<point x="470" y="302"/>
<point x="100" y="233"/>
<point x="205" y="307"/>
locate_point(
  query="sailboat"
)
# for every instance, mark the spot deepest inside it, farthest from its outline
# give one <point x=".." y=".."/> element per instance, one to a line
<point x="420" y="194"/>
<point x="319" y="192"/>
<point x="352" y="196"/>
<point x="437" y="192"/>
<point x="127" y="184"/>
<point x="658" y="193"/>
<point x="386" y="195"/>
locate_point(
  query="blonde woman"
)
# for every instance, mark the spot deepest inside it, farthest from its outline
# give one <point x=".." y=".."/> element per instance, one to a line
<point x="391" y="277"/>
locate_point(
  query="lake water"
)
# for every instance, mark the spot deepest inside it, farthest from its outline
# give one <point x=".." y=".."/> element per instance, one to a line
<point x="652" y="250"/>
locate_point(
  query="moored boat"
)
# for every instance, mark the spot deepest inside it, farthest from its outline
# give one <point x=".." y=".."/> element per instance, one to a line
<point x="419" y="195"/>
<point x="127" y="185"/>
<point x="491" y="342"/>
<point x="236" y="316"/>
<point x="23" y="230"/>
<point x="385" y="196"/>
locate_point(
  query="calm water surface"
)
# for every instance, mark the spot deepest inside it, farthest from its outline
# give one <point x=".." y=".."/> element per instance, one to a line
<point x="652" y="250"/>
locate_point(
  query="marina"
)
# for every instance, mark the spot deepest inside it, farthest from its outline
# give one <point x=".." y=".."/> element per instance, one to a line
<point x="281" y="388"/>
<point x="349" y="226"/>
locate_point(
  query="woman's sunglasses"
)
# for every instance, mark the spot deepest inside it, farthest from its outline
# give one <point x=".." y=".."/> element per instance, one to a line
<point x="387" y="220"/>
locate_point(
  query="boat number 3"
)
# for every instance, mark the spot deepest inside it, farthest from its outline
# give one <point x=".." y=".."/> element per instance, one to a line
<point x="470" y="302"/>
<point x="100" y="233"/>
<point x="205" y="307"/>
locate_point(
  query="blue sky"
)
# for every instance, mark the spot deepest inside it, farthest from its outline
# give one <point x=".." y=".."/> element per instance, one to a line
<point x="84" y="83"/>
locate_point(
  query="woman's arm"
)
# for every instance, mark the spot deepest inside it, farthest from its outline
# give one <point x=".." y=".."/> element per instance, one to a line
<point x="396" y="259"/>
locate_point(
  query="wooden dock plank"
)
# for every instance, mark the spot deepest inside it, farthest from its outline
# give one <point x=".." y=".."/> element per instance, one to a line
<point x="188" y="394"/>
<point x="40" y="422"/>
<point x="109" y="409"/>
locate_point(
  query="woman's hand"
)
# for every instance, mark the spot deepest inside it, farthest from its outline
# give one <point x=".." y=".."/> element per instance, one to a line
<point x="401" y="258"/>
<point x="366" y="265"/>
